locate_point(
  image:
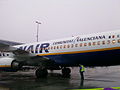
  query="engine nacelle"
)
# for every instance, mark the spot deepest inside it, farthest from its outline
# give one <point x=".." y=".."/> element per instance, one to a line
<point x="5" y="62"/>
<point x="8" y="64"/>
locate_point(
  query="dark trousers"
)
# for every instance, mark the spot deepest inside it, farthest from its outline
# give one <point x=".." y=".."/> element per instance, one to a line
<point x="82" y="75"/>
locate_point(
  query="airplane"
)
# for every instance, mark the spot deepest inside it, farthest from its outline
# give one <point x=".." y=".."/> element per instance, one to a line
<point x="98" y="49"/>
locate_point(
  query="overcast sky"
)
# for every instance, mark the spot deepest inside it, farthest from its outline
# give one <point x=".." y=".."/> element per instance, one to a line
<point x="59" y="18"/>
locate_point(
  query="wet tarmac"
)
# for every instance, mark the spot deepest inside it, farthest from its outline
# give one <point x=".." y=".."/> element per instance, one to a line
<point x="100" y="77"/>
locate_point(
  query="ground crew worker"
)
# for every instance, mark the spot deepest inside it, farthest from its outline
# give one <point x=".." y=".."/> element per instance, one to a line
<point x="82" y="70"/>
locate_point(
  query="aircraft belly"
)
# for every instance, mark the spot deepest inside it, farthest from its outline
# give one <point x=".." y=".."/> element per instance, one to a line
<point x="98" y="58"/>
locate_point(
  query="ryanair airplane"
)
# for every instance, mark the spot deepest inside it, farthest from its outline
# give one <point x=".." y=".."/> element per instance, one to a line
<point x="100" y="49"/>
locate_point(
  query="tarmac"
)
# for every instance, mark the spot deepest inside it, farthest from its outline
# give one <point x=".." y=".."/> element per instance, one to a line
<point x="99" y="77"/>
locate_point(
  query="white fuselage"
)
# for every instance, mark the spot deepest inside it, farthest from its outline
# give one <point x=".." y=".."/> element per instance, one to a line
<point x="100" y="49"/>
<point x="77" y="44"/>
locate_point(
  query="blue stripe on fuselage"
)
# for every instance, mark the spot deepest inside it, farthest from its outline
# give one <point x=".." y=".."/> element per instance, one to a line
<point x="98" y="58"/>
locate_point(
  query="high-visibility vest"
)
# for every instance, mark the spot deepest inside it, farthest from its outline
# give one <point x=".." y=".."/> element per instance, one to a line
<point x="82" y="68"/>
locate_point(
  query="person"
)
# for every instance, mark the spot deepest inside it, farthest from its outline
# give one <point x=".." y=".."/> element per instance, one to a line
<point x="82" y="70"/>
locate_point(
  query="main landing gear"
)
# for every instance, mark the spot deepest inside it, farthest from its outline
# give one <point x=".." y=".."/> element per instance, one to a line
<point x="41" y="73"/>
<point x="66" y="72"/>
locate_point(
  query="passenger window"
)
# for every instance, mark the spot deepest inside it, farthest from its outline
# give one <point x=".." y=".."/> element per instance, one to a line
<point x="51" y="48"/>
<point x="118" y="40"/>
<point x="85" y="44"/>
<point x="108" y="41"/>
<point x="72" y="45"/>
<point x="113" y="41"/>
<point x="64" y="46"/>
<point x="109" y="37"/>
<point x="54" y="47"/>
<point x="48" y="48"/>
<point x="103" y="42"/>
<point x="68" y="46"/>
<point x="76" y="45"/>
<point x="94" y="43"/>
<point x="113" y="36"/>
<point x="57" y="47"/>
<point x="98" y="43"/>
<point x="3" y="54"/>
<point x="60" y="46"/>
<point x="118" y="36"/>
<point x="89" y="44"/>
<point x="7" y="54"/>
<point x="80" y="44"/>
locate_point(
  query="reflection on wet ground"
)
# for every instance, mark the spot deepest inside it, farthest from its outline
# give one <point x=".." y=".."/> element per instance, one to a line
<point x="104" y="77"/>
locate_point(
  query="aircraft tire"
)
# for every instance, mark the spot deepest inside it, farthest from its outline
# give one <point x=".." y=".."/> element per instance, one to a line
<point x="15" y="65"/>
<point x="66" y="72"/>
<point x="41" y="73"/>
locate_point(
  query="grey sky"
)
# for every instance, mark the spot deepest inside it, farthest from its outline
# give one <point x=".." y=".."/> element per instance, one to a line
<point x="59" y="18"/>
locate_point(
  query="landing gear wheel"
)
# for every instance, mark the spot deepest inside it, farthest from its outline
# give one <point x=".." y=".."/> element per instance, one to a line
<point x="66" y="72"/>
<point x="41" y="73"/>
<point x="15" y="65"/>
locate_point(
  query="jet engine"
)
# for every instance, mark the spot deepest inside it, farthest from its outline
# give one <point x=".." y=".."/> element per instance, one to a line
<point x="9" y="64"/>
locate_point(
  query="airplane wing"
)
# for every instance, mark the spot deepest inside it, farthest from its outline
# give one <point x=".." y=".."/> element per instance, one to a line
<point x="21" y="56"/>
<point x="4" y="44"/>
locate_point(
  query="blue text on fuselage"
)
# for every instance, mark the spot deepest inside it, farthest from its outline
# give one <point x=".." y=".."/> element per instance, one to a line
<point x="39" y="48"/>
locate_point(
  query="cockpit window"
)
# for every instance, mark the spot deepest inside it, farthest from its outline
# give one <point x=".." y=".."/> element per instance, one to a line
<point x="7" y="54"/>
